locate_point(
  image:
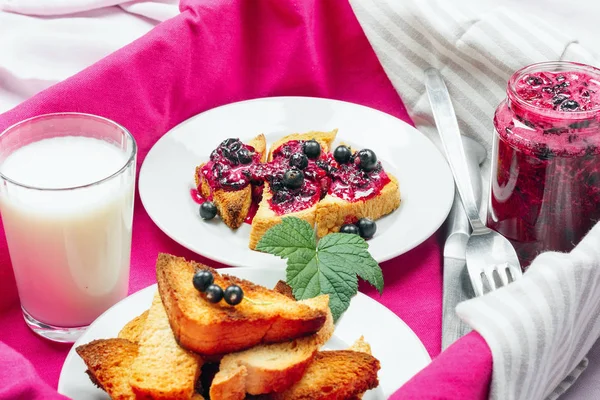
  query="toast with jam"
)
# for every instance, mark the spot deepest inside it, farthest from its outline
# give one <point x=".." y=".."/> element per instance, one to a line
<point x="296" y="180"/>
<point x="337" y="190"/>
<point x="225" y="179"/>
<point x="360" y="189"/>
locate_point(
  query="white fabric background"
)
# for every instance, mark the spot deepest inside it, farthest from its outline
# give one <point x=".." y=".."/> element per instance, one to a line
<point x="45" y="41"/>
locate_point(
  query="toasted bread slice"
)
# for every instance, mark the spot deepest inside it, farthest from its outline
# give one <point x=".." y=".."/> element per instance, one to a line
<point x="109" y="364"/>
<point x="208" y="328"/>
<point x="162" y="369"/>
<point x="134" y="328"/>
<point x="361" y="345"/>
<point x="332" y="212"/>
<point x="324" y="138"/>
<point x="270" y="367"/>
<point x="232" y="205"/>
<point x="339" y="375"/>
<point x="266" y="218"/>
<point x="285" y="289"/>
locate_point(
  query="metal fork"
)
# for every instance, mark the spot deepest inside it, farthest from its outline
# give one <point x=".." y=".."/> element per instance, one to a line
<point x="491" y="259"/>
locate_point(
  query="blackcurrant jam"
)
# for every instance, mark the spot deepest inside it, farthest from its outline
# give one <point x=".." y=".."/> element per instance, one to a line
<point x="545" y="184"/>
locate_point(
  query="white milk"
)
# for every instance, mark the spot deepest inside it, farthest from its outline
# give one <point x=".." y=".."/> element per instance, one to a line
<point x="70" y="250"/>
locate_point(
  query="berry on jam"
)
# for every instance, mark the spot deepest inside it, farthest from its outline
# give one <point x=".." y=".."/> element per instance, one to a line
<point x="233" y="295"/>
<point x="534" y="81"/>
<point x="368" y="160"/>
<point x="312" y="149"/>
<point x="342" y="154"/>
<point x="214" y="293"/>
<point x="349" y="228"/>
<point x="367" y="228"/>
<point x="559" y="98"/>
<point x="293" y="179"/>
<point x="233" y="185"/>
<point x="569" y="105"/>
<point x="231" y="166"/>
<point x="244" y="156"/>
<point x="202" y="280"/>
<point x="551" y="90"/>
<point x="299" y="161"/>
<point x="208" y="210"/>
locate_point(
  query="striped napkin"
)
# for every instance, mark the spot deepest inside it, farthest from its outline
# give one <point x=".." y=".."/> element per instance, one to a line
<point x="539" y="329"/>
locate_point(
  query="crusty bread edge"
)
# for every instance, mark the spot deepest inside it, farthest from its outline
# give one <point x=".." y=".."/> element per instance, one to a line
<point x="332" y="212"/>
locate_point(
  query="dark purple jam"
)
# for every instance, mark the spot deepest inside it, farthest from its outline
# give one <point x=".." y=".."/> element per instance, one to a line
<point x="351" y="183"/>
<point x="314" y="186"/>
<point x="234" y="165"/>
<point x="197" y="197"/>
<point x="230" y="166"/>
<point x="545" y="186"/>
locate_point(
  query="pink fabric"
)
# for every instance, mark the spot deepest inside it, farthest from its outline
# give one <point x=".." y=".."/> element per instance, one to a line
<point x="215" y="53"/>
<point x="461" y="372"/>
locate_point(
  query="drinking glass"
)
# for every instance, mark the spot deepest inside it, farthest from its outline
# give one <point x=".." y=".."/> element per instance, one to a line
<point x="66" y="200"/>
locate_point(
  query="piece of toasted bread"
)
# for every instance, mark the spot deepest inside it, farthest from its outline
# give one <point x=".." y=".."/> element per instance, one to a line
<point x="285" y="289"/>
<point x="208" y="328"/>
<point x="133" y="329"/>
<point x="332" y="212"/>
<point x="265" y="217"/>
<point x="270" y="367"/>
<point x="232" y="205"/>
<point x="162" y="369"/>
<point x="338" y="374"/>
<point x="324" y="138"/>
<point x="109" y="364"/>
<point x="361" y="345"/>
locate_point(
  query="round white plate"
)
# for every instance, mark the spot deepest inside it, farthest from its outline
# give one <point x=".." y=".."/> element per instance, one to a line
<point x="399" y="350"/>
<point x="167" y="174"/>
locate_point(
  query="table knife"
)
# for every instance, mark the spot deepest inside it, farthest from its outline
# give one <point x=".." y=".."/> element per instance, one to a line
<point x="457" y="285"/>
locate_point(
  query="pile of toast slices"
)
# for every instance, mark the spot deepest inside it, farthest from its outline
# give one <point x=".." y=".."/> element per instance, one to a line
<point x="266" y="347"/>
<point x="327" y="211"/>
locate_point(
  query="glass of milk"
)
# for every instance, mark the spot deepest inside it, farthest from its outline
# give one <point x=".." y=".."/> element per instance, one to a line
<point x="66" y="199"/>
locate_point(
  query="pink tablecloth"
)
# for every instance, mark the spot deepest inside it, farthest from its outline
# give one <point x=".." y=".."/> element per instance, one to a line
<point x="219" y="52"/>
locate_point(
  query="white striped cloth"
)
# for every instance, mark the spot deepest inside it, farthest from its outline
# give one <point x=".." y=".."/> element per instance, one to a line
<point x="540" y="328"/>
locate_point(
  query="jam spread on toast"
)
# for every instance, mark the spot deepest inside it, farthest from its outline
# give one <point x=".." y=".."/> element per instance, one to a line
<point x="230" y="165"/>
<point x="299" y="175"/>
<point x="351" y="182"/>
<point x="197" y="197"/>
<point x="292" y="196"/>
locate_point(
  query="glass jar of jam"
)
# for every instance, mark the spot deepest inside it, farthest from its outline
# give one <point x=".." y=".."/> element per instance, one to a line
<point x="545" y="183"/>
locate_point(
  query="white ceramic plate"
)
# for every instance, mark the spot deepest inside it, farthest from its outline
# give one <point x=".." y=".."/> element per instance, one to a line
<point x="399" y="350"/>
<point x="167" y="174"/>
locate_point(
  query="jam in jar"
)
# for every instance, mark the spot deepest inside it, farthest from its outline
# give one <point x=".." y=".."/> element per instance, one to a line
<point x="545" y="183"/>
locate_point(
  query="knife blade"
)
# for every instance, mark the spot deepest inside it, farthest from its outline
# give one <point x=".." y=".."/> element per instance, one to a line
<point x="457" y="285"/>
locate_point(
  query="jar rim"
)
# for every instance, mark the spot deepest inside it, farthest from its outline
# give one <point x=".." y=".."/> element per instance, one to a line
<point x="551" y="66"/>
